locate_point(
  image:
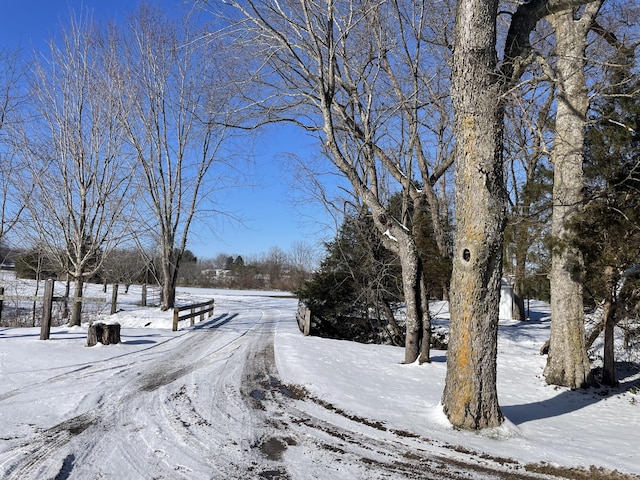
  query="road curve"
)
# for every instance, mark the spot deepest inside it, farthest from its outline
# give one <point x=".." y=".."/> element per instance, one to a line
<point x="209" y="404"/>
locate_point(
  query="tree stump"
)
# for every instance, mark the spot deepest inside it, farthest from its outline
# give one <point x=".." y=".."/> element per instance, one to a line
<point x="105" y="333"/>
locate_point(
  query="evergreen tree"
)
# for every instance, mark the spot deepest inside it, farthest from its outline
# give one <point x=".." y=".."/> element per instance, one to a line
<point x="350" y="295"/>
<point x="361" y="279"/>
<point x="238" y="263"/>
<point x="609" y="229"/>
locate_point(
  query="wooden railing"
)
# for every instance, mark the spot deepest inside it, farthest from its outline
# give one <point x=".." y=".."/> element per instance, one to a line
<point x="89" y="300"/>
<point x="303" y="315"/>
<point x="196" y="309"/>
<point x="47" y="300"/>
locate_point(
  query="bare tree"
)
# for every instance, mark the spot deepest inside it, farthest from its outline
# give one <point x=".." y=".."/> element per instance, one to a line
<point x="567" y="363"/>
<point x="11" y="97"/>
<point x="74" y="150"/>
<point x="303" y="256"/>
<point x="528" y="179"/>
<point x="125" y="266"/>
<point x="275" y="263"/>
<point x="330" y="67"/>
<point x="176" y="92"/>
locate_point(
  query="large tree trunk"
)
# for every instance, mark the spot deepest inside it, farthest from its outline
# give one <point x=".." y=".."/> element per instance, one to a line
<point x="425" y="341"/>
<point x="412" y="285"/>
<point x="76" y="309"/>
<point x="422" y="296"/>
<point x="470" y="397"/>
<point x="170" y="270"/>
<point x="567" y="363"/>
<point x="169" y="279"/>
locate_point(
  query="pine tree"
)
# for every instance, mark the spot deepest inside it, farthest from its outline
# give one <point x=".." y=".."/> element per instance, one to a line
<point x="358" y="279"/>
<point x="609" y="229"/>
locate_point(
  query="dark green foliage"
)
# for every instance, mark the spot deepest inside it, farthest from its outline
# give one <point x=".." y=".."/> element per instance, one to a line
<point x="437" y="268"/>
<point x="238" y="263"/>
<point x="189" y="257"/>
<point x="34" y="264"/>
<point x="526" y="258"/>
<point x="609" y="230"/>
<point x="5" y="252"/>
<point x="536" y="282"/>
<point x="356" y="277"/>
<point x="352" y="294"/>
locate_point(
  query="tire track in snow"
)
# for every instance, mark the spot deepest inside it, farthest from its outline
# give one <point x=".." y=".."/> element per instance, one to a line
<point x="213" y="406"/>
<point x="293" y="425"/>
<point x="73" y="449"/>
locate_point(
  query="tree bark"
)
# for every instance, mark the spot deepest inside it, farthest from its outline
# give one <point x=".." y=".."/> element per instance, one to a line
<point x="411" y="283"/>
<point x="609" y="321"/>
<point x="105" y="333"/>
<point x="168" y="288"/>
<point x="567" y="363"/>
<point x="76" y="308"/>
<point x="396" y="336"/>
<point x="425" y="341"/>
<point x="170" y="261"/>
<point x="470" y="397"/>
<point x="522" y="246"/>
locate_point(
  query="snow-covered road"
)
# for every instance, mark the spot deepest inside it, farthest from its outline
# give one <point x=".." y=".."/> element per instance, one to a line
<point x="160" y="405"/>
<point x="206" y="402"/>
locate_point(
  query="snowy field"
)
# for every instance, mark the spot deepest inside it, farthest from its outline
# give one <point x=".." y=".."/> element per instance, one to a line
<point x="245" y="395"/>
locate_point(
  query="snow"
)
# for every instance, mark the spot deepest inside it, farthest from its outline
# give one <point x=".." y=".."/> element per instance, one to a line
<point x="544" y="423"/>
<point x="166" y="404"/>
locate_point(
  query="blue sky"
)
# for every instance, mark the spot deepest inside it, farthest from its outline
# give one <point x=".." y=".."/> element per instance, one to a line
<point x="264" y="204"/>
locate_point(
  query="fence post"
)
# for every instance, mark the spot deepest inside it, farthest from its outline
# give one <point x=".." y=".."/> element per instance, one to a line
<point x="144" y="295"/>
<point x="176" y="314"/>
<point x="114" y="299"/>
<point x="47" y="303"/>
<point x="307" y="322"/>
<point x="1" y="300"/>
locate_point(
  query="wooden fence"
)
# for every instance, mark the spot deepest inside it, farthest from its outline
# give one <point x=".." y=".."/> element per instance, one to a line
<point x="47" y="300"/>
<point x="89" y="300"/>
<point x="196" y="309"/>
<point x="303" y="315"/>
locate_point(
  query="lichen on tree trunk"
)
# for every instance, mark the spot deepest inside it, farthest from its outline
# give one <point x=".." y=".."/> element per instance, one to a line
<point x="470" y="397"/>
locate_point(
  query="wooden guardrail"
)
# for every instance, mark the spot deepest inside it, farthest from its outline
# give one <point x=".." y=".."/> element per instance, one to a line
<point x="196" y="309"/>
<point x="47" y="300"/>
<point x="303" y="315"/>
<point x="44" y="298"/>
